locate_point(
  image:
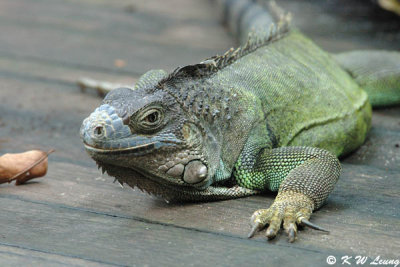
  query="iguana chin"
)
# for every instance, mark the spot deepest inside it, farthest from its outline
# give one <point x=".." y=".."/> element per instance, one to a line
<point x="272" y="115"/>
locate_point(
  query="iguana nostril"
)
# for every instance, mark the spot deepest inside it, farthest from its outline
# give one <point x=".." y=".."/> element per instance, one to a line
<point x="125" y="119"/>
<point x="98" y="131"/>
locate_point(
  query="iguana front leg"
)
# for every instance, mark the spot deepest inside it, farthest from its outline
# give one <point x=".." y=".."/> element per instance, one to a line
<point x="305" y="176"/>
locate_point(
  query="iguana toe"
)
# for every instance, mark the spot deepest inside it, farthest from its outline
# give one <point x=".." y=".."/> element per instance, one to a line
<point x="291" y="208"/>
<point x="274" y="225"/>
<point x="258" y="221"/>
<point x="292" y="232"/>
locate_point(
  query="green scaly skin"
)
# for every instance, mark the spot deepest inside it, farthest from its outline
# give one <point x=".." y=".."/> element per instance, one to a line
<point x="273" y="115"/>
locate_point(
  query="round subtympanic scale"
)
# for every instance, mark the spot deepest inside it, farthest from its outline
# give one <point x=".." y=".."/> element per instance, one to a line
<point x="195" y="172"/>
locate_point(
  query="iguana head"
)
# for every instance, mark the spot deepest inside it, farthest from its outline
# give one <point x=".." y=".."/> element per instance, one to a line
<point x="166" y="136"/>
<point x="146" y="130"/>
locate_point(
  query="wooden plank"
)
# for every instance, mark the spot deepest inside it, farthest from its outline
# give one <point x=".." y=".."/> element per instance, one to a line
<point x="43" y="115"/>
<point x="342" y="25"/>
<point x="382" y="147"/>
<point x="358" y="223"/>
<point x="144" y="18"/>
<point x="123" y="241"/>
<point x="29" y="69"/>
<point x="12" y="255"/>
<point x="97" y="35"/>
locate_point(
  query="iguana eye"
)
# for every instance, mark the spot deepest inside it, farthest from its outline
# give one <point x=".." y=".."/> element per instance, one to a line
<point x="150" y="119"/>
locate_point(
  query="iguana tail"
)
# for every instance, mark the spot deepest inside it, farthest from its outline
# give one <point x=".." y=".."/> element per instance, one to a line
<point x="377" y="72"/>
<point x="245" y="16"/>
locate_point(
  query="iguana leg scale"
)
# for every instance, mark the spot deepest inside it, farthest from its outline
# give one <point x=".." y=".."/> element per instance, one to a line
<point x="304" y="177"/>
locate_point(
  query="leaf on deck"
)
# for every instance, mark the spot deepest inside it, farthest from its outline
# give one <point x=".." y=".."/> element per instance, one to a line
<point x="23" y="167"/>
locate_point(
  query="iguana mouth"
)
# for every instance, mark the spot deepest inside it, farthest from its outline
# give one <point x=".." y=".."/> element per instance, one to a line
<point x="140" y="149"/>
<point x="137" y="150"/>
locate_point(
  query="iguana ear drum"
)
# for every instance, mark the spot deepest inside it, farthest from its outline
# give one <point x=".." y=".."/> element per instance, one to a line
<point x="195" y="172"/>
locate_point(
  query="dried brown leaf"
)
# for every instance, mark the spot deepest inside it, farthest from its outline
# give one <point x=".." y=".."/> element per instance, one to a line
<point x="23" y="166"/>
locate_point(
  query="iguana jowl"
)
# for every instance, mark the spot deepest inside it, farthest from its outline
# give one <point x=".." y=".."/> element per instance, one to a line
<point x="273" y="115"/>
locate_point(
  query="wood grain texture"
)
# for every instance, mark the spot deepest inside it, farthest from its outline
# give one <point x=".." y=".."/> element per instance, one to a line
<point x="121" y="240"/>
<point x="76" y="217"/>
<point x="95" y="34"/>
<point x="14" y="255"/>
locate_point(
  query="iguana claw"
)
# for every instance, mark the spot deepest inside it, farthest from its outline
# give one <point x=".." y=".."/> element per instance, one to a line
<point x="256" y="227"/>
<point x="306" y="222"/>
<point x="292" y="232"/>
<point x="291" y="208"/>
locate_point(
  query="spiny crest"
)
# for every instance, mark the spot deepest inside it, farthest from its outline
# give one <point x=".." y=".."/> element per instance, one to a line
<point x="256" y="39"/>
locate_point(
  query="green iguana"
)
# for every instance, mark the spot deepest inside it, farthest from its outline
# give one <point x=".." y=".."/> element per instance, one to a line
<point x="272" y="115"/>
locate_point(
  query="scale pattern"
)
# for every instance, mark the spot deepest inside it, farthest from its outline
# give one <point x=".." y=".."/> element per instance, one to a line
<point x="307" y="170"/>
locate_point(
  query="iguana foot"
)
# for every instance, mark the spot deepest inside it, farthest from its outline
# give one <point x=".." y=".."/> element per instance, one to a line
<point x="290" y="207"/>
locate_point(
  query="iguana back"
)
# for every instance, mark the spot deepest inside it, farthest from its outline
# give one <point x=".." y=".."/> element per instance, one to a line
<point x="300" y="87"/>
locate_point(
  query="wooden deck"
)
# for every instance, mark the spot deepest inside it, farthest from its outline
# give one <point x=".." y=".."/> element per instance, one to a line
<point x="74" y="216"/>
